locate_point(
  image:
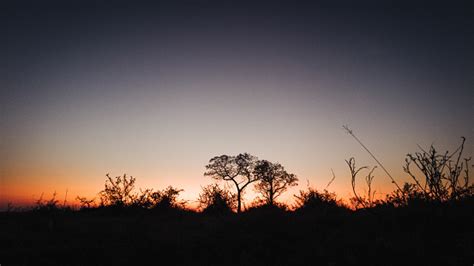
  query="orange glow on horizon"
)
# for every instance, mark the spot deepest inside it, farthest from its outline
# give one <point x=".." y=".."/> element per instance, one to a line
<point x="28" y="193"/>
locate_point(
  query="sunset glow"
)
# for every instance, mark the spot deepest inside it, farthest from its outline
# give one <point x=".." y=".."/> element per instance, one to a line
<point x="157" y="92"/>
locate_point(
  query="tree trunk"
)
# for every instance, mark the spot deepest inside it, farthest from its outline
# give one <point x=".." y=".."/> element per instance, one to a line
<point x="238" y="202"/>
<point x="270" y="200"/>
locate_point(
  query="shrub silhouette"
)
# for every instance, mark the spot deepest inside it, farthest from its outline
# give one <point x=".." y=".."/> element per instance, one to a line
<point x="167" y="199"/>
<point x="410" y="195"/>
<point x="312" y="199"/>
<point x="440" y="180"/>
<point x="85" y="203"/>
<point x="262" y="208"/>
<point x="117" y="191"/>
<point x="47" y="206"/>
<point x="145" y="199"/>
<point x="160" y="199"/>
<point x="441" y="174"/>
<point x="216" y="200"/>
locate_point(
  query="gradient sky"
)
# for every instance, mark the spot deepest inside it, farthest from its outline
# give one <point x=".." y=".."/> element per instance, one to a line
<point x="156" y="90"/>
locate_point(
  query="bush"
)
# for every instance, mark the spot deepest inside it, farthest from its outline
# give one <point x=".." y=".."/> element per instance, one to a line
<point x="440" y="179"/>
<point x="167" y="199"/>
<point x="117" y="191"/>
<point x="312" y="199"/>
<point x="47" y="206"/>
<point x="216" y="200"/>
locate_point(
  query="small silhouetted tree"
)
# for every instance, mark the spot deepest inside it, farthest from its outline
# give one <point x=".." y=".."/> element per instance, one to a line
<point x="273" y="180"/>
<point x="236" y="169"/>
<point x="118" y="191"/>
<point x="216" y="200"/>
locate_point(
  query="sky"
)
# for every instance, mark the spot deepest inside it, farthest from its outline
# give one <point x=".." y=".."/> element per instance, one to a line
<point x="155" y="90"/>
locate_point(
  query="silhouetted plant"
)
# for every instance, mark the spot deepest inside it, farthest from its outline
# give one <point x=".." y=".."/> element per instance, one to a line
<point x="160" y="199"/>
<point x="167" y="198"/>
<point x="273" y="180"/>
<point x="351" y="132"/>
<point x="261" y="205"/>
<point x="145" y="199"/>
<point x="10" y="207"/>
<point x="236" y="169"/>
<point x="440" y="173"/>
<point x="216" y="200"/>
<point x="411" y="195"/>
<point x="85" y="203"/>
<point x="367" y="201"/>
<point x="332" y="179"/>
<point x="50" y="205"/>
<point x="311" y="198"/>
<point x="118" y="191"/>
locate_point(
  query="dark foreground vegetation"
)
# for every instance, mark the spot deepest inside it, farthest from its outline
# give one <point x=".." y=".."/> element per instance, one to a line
<point x="431" y="234"/>
<point x="429" y="221"/>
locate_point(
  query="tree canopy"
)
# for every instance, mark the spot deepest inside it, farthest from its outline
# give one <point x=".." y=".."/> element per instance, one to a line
<point x="273" y="180"/>
<point x="236" y="169"/>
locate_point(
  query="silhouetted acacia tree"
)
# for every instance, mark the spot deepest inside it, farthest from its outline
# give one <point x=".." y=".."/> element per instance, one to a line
<point x="273" y="180"/>
<point x="118" y="191"/>
<point x="236" y="169"/>
<point x="216" y="200"/>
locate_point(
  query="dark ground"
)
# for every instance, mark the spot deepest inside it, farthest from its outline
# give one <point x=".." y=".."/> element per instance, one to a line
<point x="439" y="235"/>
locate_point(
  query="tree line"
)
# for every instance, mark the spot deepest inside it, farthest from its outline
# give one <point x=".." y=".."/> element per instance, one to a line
<point x="436" y="178"/>
<point x="269" y="179"/>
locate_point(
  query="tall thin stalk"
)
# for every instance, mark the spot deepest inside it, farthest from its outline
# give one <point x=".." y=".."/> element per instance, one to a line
<point x="350" y="132"/>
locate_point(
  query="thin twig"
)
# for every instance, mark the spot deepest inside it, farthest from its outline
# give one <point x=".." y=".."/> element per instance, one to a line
<point x="330" y="182"/>
<point x="65" y="198"/>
